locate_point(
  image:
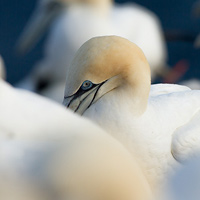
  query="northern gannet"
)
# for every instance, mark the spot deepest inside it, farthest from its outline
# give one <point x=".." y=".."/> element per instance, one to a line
<point x="46" y="152"/>
<point x="109" y="82"/>
<point x="78" y="21"/>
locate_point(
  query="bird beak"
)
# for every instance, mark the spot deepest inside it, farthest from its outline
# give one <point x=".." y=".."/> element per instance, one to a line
<point x="82" y="100"/>
<point x="37" y="25"/>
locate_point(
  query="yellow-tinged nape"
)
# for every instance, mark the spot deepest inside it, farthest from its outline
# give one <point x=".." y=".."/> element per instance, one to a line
<point x="115" y="59"/>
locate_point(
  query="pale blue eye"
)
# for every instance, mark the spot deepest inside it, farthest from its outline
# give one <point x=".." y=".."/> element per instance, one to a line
<point x="86" y="85"/>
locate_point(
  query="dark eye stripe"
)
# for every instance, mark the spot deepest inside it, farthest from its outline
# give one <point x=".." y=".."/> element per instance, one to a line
<point x="81" y="92"/>
<point x="84" y="100"/>
<point x="96" y="93"/>
<point x="98" y="87"/>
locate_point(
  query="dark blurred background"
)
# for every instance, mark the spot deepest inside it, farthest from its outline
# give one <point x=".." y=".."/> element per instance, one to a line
<point x="174" y="15"/>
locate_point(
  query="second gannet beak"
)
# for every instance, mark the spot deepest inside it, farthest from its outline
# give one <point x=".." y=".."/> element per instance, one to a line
<point x="86" y="95"/>
<point x="37" y="25"/>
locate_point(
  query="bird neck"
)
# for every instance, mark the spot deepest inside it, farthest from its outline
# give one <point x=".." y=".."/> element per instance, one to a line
<point x="136" y="87"/>
<point x="135" y="98"/>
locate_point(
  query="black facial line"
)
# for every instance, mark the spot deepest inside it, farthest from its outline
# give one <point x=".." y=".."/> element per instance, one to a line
<point x="81" y="102"/>
<point x="92" y="98"/>
<point x="79" y="93"/>
<point x="96" y="93"/>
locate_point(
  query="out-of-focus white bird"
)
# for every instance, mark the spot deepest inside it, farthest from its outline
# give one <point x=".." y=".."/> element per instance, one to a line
<point x="2" y="68"/>
<point x="184" y="184"/>
<point x="25" y="114"/>
<point x="109" y="82"/>
<point x="86" y="165"/>
<point x="80" y="20"/>
<point x="47" y="152"/>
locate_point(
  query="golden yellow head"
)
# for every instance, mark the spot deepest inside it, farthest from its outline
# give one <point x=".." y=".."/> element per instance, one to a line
<point x="108" y="62"/>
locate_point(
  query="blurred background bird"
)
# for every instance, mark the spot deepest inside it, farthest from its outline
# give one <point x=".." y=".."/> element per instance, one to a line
<point x="174" y="19"/>
<point x="75" y="168"/>
<point x="74" y="22"/>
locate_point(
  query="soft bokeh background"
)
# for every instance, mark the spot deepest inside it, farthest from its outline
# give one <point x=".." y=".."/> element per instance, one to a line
<point x="174" y="15"/>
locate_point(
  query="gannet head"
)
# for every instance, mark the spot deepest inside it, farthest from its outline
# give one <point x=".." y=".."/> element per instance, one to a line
<point x="103" y="65"/>
<point x="46" y="12"/>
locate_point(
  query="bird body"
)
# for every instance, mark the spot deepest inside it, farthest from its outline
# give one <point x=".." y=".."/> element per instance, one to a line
<point x="79" y="166"/>
<point x="112" y="88"/>
<point x="28" y="109"/>
<point x="158" y="138"/>
<point x="47" y="152"/>
<point x="81" y="20"/>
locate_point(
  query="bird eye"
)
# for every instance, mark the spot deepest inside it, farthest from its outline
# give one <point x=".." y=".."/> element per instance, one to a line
<point x="86" y="85"/>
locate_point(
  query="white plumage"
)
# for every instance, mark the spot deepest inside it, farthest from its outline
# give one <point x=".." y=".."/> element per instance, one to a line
<point x="185" y="182"/>
<point x="82" y="20"/>
<point x="47" y="152"/>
